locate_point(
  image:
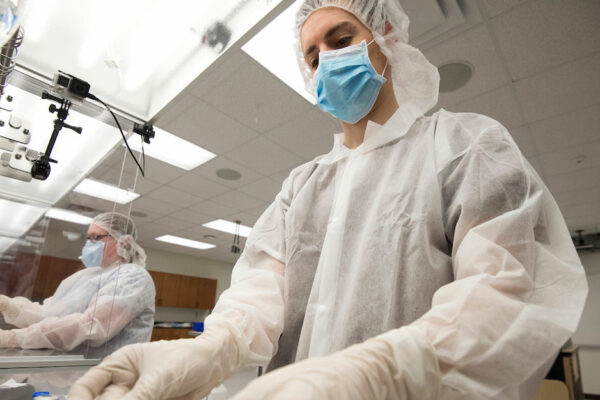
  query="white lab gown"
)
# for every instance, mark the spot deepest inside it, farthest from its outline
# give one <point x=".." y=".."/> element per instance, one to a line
<point x="441" y="224"/>
<point x="94" y="311"/>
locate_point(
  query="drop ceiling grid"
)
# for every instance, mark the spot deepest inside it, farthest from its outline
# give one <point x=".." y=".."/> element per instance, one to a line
<point x="492" y="92"/>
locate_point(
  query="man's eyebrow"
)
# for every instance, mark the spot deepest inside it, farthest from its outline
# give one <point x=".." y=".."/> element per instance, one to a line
<point x="330" y="33"/>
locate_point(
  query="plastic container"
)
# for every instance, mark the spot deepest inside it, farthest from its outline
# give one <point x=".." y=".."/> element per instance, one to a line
<point x="43" y="396"/>
<point x="198" y="326"/>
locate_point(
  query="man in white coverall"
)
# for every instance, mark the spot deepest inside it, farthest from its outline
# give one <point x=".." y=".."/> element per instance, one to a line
<point x="421" y="258"/>
<point x="97" y="310"/>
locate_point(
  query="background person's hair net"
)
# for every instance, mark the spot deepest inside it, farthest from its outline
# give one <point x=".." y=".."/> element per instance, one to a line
<point x="123" y="230"/>
<point x="415" y="79"/>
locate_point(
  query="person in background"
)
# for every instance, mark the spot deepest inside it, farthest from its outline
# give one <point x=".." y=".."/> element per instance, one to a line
<point x="107" y="305"/>
<point x="421" y="258"/>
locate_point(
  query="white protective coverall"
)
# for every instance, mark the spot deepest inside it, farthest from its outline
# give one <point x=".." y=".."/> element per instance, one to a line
<point x="97" y="308"/>
<point x="430" y="262"/>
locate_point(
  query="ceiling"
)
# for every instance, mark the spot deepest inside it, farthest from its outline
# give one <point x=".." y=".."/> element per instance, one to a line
<point x="536" y="70"/>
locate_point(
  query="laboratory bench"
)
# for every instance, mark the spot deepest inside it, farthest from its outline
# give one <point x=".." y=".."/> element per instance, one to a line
<point x="30" y="371"/>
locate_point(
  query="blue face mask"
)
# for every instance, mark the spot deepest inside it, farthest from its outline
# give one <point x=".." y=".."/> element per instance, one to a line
<point x="346" y="83"/>
<point x="91" y="254"/>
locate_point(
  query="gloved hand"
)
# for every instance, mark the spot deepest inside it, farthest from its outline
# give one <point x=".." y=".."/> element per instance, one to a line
<point x="166" y="369"/>
<point x="7" y="308"/>
<point x="399" y="364"/>
<point x="4" y="303"/>
<point x="8" y="339"/>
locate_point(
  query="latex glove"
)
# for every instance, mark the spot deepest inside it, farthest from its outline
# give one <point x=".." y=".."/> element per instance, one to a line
<point x="8" y="339"/>
<point x="165" y="369"/>
<point x="4" y="303"/>
<point x="8" y="309"/>
<point x="399" y="364"/>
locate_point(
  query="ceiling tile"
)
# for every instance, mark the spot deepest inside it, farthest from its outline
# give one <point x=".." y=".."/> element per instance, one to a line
<point x="209" y="170"/>
<point x="209" y="128"/>
<point x="590" y="223"/>
<point x="495" y="7"/>
<point x="264" y="156"/>
<point x="570" y="198"/>
<point x="561" y="90"/>
<point x="567" y="130"/>
<point x="237" y="200"/>
<point x="161" y="172"/>
<point x="573" y="181"/>
<point x="265" y="189"/>
<point x="213" y="209"/>
<point x="499" y="104"/>
<point x="199" y="232"/>
<point x="174" y="196"/>
<point x="522" y="136"/>
<point x="281" y="175"/>
<point x="537" y="165"/>
<point x="581" y="210"/>
<point x="308" y="135"/>
<point x="256" y="98"/>
<point x="173" y="223"/>
<point x="143" y="185"/>
<point x="542" y="34"/>
<point x="199" y="186"/>
<point x="565" y="160"/>
<point x="191" y="216"/>
<point x="476" y="47"/>
<point x="148" y="204"/>
<point x="174" y="110"/>
<point x="246" y="218"/>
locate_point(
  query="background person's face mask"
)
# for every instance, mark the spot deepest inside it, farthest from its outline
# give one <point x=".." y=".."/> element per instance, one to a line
<point x="91" y="254"/>
<point x="346" y="83"/>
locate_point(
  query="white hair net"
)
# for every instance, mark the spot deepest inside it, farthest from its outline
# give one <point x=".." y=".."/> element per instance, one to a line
<point x="415" y="79"/>
<point x="123" y="230"/>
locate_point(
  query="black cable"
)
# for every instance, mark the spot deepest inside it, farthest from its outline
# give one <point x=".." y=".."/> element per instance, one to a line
<point x="142" y="169"/>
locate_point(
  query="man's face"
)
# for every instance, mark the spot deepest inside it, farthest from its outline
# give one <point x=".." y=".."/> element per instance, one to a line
<point x="332" y="28"/>
<point x="95" y="233"/>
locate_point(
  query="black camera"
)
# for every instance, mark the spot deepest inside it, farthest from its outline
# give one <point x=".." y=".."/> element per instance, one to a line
<point x="71" y="87"/>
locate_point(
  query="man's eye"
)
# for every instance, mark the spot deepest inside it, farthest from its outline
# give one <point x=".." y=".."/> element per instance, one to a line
<point x="315" y="63"/>
<point x="344" y="41"/>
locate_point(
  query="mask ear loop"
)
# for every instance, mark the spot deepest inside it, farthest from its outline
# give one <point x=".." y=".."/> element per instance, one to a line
<point x="384" y="68"/>
<point x="386" y="61"/>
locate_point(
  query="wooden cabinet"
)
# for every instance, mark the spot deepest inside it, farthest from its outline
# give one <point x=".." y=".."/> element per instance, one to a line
<point x="170" y="334"/>
<point x="184" y="291"/>
<point x="172" y="290"/>
<point x="51" y="272"/>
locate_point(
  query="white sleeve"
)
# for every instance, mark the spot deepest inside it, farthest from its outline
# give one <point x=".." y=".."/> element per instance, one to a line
<point x="118" y="302"/>
<point x="21" y="312"/>
<point x="519" y="286"/>
<point x="254" y="303"/>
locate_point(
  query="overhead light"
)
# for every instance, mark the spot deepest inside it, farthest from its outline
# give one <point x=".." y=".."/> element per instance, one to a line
<point x="174" y="150"/>
<point x="5" y="243"/>
<point x="228" y="227"/>
<point x="185" y="242"/>
<point x="281" y="63"/>
<point x="17" y="218"/>
<point x="105" y="191"/>
<point x="69" y="216"/>
<point x="228" y="174"/>
<point x="454" y="75"/>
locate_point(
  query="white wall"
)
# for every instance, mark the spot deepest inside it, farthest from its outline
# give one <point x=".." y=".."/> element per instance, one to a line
<point x="588" y="331"/>
<point x="173" y="263"/>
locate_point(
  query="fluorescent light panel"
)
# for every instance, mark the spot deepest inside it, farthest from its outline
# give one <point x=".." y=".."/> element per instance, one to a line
<point x="229" y="227"/>
<point x="17" y="218"/>
<point x="69" y="216"/>
<point x="281" y="63"/>
<point x="173" y="150"/>
<point x="105" y="191"/>
<point x="185" y="242"/>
